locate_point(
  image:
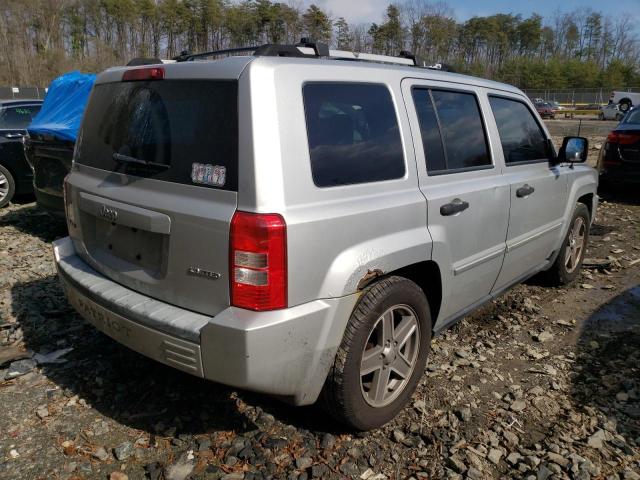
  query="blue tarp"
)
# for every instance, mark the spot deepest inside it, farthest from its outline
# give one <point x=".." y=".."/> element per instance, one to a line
<point x="63" y="106"/>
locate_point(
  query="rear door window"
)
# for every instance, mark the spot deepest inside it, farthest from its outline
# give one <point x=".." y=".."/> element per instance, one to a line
<point x="353" y="134"/>
<point x="181" y="131"/>
<point x="18" y="118"/>
<point x="452" y="129"/>
<point x="521" y="137"/>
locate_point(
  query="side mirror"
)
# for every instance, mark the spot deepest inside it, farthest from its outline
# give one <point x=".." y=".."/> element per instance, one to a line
<point x="573" y="150"/>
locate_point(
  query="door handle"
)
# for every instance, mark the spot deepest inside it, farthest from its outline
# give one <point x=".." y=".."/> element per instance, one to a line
<point x="14" y="135"/>
<point x="456" y="206"/>
<point x="524" y="191"/>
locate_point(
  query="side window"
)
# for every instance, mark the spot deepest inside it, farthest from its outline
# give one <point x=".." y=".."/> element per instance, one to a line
<point x="453" y="134"/>
<point x="431" y="139"/>
<point x="521" y="137"/>
<point x="353" y="134"/>
<point x="18" y="117"/>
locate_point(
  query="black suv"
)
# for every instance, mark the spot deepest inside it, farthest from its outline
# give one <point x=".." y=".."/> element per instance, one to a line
<point x="15" y="173"/>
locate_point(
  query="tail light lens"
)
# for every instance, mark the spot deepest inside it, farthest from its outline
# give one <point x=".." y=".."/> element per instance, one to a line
<point x="137" y="74"/>
<point x="258" y="261"/>
<point x="68" y="208"/>
<point x="624" y="138"/>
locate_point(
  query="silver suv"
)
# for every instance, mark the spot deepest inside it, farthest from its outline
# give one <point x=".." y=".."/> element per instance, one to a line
<point x="300" y="221"/>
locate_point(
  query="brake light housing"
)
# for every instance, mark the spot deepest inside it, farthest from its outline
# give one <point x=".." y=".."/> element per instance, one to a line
<point x="623" y="138"/>
<point x="141" y="74"/>
<point x="258" y="261"/>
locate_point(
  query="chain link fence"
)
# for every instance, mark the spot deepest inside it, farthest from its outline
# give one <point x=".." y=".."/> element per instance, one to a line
<point x="577" y="96"/>
<point x="22" y="92"/>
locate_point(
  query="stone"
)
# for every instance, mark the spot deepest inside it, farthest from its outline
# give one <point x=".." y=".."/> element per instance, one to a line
<point x="302" y="463"/>
<point x="117" y="475"/>
<point x="349" y="468"/>
<point x="233" y="476"/>
<point x="20" y="367"/>
<point x="328" y="441"/>
<point x="511" y="438"/>
<point x="464" y="414"/>
<point x="456" y="464"/>
<point x="474" y="474"/>
<point x="557" y="459"/>
<point x="42" y="412"/>
<point x="494" y="455"/>
<point x="622" y="396"/>
<point x="597" y="440"/>
<point x="264" y="420"/>
<point x="319" y="471"/>
<point x="180" y="470"/>
<point x="518" y="405"/>
<point x="514" y="458"/>
<point x="543" y="473"/>
<point x="544" y="336"/>
<point x="101" y="454"/>
<point x="398" y="436"/>
<point x="123" y="451"/>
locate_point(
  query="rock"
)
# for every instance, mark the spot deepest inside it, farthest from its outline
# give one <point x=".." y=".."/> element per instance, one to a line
<point x="597" y="440"/>
<point x="464" y="414"/>
<point x="20" y="367"/>
<point x="456" y="464"/>
<point x="101" y="454"/>
<point x="203" y="444"/>
<point x="398" y="436"/>
<point x="630" y="475"/>
<point x="12" y="353"/>
<point x="42" y="412"/>
<point x="232" y="476"/>
<point x="622" y="396"/>
<point x="557" y="459"/>
<point x="13" y="453"/>
<point x="474" y="474"/>
<point x="180" y="470"/>
<point x="264" y="420"/>
<point x="518" y="405"/>
<point x="349" y="468"/>
<point x="543" y="473"/>
<point x="319" y="471"/>
<point x="117" y="475"/>
<point x="511" y="438"/>
<point x="302" y="463"/>
<point x="328" y="441"/>
<point x="123" y="451"/>
<point x="544" y="336"/>
<point x="494" y="455"/>
<point x="514" y="458"/>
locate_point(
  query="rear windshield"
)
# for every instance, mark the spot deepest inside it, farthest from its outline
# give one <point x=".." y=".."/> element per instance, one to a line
<point x="181" y="131"/>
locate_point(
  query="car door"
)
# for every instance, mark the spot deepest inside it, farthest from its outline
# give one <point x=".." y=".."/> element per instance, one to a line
<point x="467" y="197"/>
<point x="538" y="189"/>
<point x="13" y="123"/>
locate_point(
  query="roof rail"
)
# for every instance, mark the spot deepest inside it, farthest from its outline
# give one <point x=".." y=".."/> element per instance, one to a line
<point x="308" y="48"/>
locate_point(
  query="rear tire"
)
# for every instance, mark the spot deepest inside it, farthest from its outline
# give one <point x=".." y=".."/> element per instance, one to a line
<point x="7" y="187"/>
<point x="601" y="116"/>
<point x="382" y="355"/>
<point x="624" y="106"/>
<point x="567" y="265"/>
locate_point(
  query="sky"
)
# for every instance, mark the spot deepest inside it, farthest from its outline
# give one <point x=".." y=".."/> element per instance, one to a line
<point x="368" y="11"/>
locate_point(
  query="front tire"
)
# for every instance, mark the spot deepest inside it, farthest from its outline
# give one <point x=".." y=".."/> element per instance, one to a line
<point x="567" y="265"/>
<point x="382" y="355"/>
<point x="7" y="186"/>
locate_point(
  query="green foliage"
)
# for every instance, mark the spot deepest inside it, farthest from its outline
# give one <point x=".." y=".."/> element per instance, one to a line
<point x="580" y="49"/>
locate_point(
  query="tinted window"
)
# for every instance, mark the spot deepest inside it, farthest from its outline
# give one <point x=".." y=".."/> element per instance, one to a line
<point x="462" y="129"/>
<point x="633" y="117"/>
<point x="521" y="137"/>
<point x="353" y="134"/>
<point x="18" y="117"/>
<point x="187" y="129"/>
<point x="431" y="140"/>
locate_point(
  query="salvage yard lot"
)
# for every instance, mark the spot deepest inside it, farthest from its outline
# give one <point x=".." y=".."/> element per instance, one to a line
<point x="542" y="383"/>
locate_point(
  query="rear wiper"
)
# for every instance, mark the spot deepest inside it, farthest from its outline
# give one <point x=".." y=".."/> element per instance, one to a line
<point x="120" y="158"/>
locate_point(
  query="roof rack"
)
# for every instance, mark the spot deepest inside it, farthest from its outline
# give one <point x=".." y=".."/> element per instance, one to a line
<point x="307" y="48"/>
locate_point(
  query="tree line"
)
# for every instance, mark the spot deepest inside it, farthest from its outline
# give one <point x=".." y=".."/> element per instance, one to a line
<point x="41" y="39"/>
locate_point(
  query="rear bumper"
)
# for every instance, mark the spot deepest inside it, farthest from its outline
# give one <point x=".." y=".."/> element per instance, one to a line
<point x="284" y="352"/>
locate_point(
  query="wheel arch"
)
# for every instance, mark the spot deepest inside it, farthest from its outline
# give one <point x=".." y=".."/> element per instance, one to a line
<point x="425" y="274"/>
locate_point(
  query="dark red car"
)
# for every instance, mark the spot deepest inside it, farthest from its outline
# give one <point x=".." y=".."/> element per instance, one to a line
<point x="545" y="110"/>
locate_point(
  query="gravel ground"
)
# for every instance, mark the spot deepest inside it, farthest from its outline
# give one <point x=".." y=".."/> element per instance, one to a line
<point x="541" y="383"/>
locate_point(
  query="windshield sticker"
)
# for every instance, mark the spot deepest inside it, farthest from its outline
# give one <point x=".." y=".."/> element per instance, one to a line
<point x="207" y="174"/>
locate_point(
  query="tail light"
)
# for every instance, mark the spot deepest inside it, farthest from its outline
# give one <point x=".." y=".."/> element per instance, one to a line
<point x="137" y="74"/>
<point x="624" y="138"/>
<point x="258" y="261"/>
<point x="68" y="208"/>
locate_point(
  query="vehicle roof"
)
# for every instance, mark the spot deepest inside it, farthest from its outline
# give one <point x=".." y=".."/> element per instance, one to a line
<point x="19" y="101"/>
<point x="232" y="67"/>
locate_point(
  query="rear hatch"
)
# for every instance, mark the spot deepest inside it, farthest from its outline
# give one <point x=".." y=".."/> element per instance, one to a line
<point x="155" y="185"/>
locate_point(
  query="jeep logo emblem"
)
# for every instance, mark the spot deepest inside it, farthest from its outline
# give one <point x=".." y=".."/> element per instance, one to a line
<point x="108" y="213"/>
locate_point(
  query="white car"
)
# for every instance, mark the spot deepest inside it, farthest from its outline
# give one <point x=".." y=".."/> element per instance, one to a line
<point x="625" y="100"/>
<point x="610" y="112"/>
